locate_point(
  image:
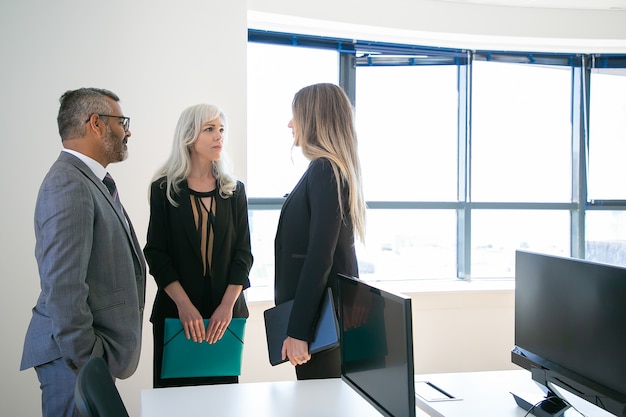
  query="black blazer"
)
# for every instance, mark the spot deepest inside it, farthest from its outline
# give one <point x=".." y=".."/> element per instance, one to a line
<point x="173" y="251"/>
<point x="312" y="245"/>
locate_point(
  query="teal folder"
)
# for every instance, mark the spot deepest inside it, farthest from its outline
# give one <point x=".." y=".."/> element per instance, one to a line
<point x="183" y="358"/>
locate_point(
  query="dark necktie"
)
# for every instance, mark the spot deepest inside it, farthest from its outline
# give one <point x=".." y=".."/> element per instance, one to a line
<point x="110" y="184"/>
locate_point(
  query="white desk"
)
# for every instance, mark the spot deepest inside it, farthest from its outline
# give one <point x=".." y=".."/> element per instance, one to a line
<point x="313" y="398"/>
<point x="487" y="394"/>
<point x="482" y="394"/>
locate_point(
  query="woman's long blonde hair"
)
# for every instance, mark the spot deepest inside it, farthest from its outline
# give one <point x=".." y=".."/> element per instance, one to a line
<point x="323" y="123"/>
<point x="178" y="164"/>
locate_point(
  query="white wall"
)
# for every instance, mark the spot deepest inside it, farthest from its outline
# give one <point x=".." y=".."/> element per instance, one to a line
<point x="161" y="57"/>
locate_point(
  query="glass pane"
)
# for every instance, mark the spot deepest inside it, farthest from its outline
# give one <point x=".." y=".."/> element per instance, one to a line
<point x="401" y="245"/>
<point x="606" y="237"/>
<point x="521" y="133"/>
<point x="406" y="120"/>
<point x="496" y="234"/>
<point x="275" y="74"/>
<point x="408" y="244"/>
<point x="263" y="225"/>
<point x="607" y="134"/>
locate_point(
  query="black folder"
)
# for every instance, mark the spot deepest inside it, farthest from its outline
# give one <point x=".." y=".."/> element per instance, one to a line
<point x="277" y="319"/>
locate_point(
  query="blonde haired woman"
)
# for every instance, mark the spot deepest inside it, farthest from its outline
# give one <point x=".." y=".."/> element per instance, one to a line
<point x="198" y="244"/>
<point x="319" y="221"/>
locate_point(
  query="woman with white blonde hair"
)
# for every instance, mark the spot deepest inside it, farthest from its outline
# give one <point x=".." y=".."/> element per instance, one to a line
<point x="319" y="221"/>
<point x="198" y="242"/>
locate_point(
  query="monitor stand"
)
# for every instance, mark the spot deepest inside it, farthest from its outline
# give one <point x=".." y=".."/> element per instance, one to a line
<point x="551" y="406"/>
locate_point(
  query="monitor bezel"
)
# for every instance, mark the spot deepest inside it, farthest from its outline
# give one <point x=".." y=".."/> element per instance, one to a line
<point x="405" y="302"/>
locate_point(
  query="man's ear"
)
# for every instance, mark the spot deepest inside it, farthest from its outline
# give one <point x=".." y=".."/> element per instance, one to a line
<point x="96" y="125"/>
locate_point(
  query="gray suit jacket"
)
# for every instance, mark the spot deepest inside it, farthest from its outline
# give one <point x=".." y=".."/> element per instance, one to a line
<point x="92" y="275"/>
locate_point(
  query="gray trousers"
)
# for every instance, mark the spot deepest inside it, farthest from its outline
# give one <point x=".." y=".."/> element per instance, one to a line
<point x="57" y="382"/>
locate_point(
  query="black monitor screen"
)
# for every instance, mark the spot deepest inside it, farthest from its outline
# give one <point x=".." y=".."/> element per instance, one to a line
<point x="570" y="323"/>
<point x="377" y="346"/>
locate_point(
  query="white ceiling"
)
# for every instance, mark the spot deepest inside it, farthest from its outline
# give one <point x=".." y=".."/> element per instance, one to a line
<point x="553" y="4"/>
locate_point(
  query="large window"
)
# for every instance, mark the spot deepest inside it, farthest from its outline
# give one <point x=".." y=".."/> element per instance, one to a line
<point x="408" y="244"/>
<point x="521" y="152"/>
<point x="408" y="152"/>
<point x="607" y="137"/>
<point x="465" y="156"/>
<point x="521" y="133"/>
<point x="407" y="132"/>
<point x="275" y="74"/>
<point x="605" y="223"/>
<point x="496" y="234"/>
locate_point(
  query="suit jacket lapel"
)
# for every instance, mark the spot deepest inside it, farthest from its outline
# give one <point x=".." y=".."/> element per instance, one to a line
<point x="135" y="243"/>
<point x="223" y="212"/>
<point x="187" y="219"/>
<point x="99" y="185"/>
<point x="121" y="214"/>
<point x="289" y="197"/>
<point x="87" y="172"/>
<point x="225" y="215"/>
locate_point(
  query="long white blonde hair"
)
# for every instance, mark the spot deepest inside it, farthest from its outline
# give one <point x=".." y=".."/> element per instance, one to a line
<point x="178" y="164"/>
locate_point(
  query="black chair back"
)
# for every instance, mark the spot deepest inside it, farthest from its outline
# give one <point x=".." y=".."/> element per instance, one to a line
<point x="96" y="394"/>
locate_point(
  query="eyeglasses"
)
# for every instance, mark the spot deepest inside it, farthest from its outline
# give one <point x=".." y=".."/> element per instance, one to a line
<point x="126" y="120"/>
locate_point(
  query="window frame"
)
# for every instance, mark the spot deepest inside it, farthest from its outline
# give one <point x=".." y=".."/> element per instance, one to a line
<point x="356" y="53"/>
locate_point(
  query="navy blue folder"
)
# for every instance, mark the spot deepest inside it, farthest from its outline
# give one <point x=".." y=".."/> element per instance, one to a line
<point x="277" y="319"/>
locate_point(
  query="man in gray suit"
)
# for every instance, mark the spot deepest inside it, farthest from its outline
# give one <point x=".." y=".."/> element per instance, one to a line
<point x="91" y="268"/>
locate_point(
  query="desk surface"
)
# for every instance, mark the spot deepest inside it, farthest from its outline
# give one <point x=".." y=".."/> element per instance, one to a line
<point x="481" y="394"/>
<point x="488" y="394"/>
<point x="314" y="398"/>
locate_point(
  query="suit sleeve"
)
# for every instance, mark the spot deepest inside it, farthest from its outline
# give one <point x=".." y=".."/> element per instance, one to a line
<point x="324" y="229"/>
<point x="242" y="256"/>
<point x="156" y="250"/>
<point x="64" y="226"/>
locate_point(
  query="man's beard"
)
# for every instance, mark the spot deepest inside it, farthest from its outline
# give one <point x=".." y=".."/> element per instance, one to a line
<point x="114" y="147"/>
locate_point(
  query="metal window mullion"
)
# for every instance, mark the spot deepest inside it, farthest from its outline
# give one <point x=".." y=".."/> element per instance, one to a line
<point x="464" y="214"/>
<point x="580" y="141"/>
<point x="347" y="75"/>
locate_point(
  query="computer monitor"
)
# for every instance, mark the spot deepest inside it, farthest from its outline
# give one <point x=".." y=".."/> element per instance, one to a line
<point x="377" y="346"/>
<point x="570" y="329"/>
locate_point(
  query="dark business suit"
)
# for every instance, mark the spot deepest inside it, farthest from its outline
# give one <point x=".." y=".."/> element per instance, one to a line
<point x="312" y="245"/>
<point x="173" y="254"/>
<point x="92" y="275"/>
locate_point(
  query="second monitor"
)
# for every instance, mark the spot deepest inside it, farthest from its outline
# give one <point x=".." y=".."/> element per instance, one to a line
<point x="377" y="346"/>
